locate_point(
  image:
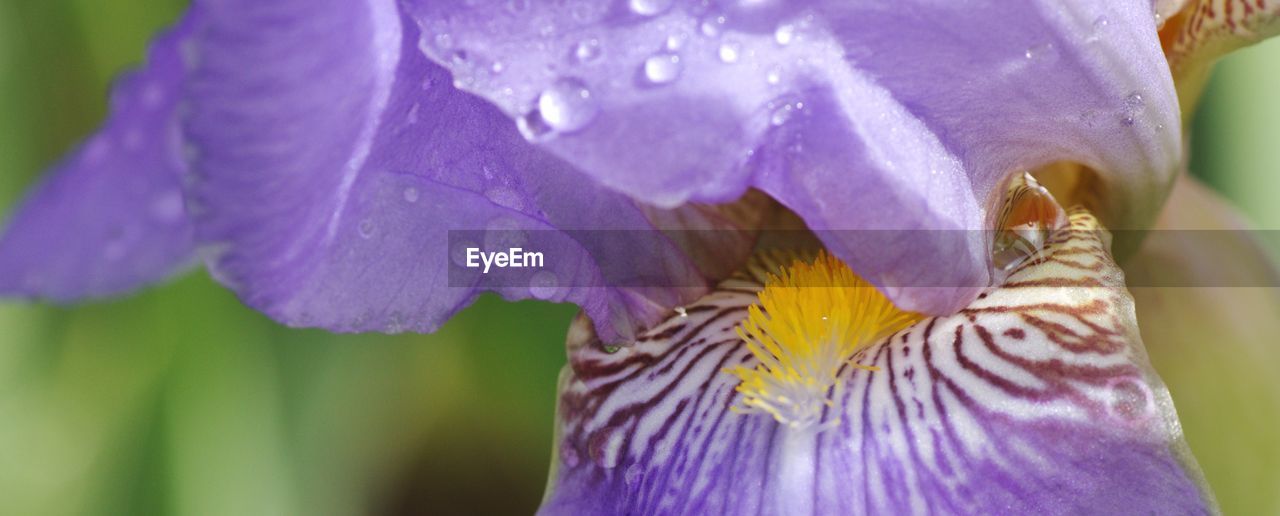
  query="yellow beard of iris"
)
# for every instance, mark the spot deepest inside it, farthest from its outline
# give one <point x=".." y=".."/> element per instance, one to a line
<point x="809" y="321"/>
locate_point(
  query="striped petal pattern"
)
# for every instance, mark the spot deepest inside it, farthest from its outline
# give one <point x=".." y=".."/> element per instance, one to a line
<point x="1036" y="398"/>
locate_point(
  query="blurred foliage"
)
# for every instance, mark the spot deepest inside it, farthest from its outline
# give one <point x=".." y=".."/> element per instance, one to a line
<point x="179" y="400"/>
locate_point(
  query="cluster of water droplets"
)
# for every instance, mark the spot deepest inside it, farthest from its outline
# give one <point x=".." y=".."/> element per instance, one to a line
<point x="570" y="102"/>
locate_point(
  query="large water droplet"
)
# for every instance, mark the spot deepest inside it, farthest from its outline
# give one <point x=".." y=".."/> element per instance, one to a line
<point x="567" y="105"/>
<point x="365" y="228"/>
<point x="650" y="7"/>
<point x="729" y="52"/>
<point x="662" y="68"/>
<point x="410" y="195"/>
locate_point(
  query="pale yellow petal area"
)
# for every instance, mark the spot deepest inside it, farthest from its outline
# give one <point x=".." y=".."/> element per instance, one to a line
<point x="1216" y="347"/>
<point x="1200" y="31"/>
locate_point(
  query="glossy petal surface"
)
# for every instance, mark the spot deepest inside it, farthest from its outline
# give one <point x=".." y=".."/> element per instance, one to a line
<point x="857" y="115"/>
<point x="334" y="159"/>
<point x="110" y="217"/>
<point x="1035" y="399"/>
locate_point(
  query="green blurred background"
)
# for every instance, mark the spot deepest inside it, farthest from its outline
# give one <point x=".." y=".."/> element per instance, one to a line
<point x="179" y="400"/>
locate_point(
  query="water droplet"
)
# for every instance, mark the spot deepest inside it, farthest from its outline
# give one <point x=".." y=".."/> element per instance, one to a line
<point x="782" y="114"/>
<point x="674" y="42"/>
<point x="712" y="26"/>
<point x="460" y="57"/>
<point x="587" y="11"/>
<point x="410" y="195"/>
<point x="497" y="67"/>
<point x="784" y="34"/>
<point x="1130" y="399"/>
<point x="167" y="206"/>
<point x="505" y="197"/>
<point x="1038" y="50"/>
<point x="567" y="105"/>
<point x="395" y="323"/>
<point x="116" y="247"/>
<point x="1133" y="106"/>
<point x="504" y="233"/>
<point x="459" y="252"/>
<point x="729" y="52"/>
<point x="1133" y="100"/>
<point x="152" y="96"/>
<point x="774" y="76"/>
<point x="632" y="475"/>
<point x="662" y="68"/>
<point x="444" y="40"/>
<point x="568" y="455"/>
<point x="533" y="127"/>
<point x="587" y="50"/>
<point x="133" y="139"/>
<point x="544" y="285"/>
<point x="1099" y="26"/>
<point x="412" y="117"/>
<point x="650" y="7"/>
<point x="605" y="447"/>
<point x="365" y="228"/>
<point x="682" y="311"/>
<point x="99" y="147"/>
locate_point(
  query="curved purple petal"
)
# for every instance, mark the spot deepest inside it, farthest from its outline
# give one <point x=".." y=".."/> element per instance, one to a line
<point x="1035" y="399"/>
<point x="334" y="159"/>
<point x="110" y="217"/>
<point x="857" y="115"/>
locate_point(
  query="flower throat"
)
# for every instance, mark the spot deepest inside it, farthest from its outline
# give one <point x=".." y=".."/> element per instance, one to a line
<point x="810" y="320"/>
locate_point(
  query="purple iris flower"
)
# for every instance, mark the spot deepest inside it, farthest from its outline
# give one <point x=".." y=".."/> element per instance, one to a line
<point x="316" y="155"/>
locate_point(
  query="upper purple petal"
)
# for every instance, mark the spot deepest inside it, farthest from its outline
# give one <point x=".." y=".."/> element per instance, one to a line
<point x="110" y="217"/>
<point x="857" y="115"/>
<point x="333" y="159"/>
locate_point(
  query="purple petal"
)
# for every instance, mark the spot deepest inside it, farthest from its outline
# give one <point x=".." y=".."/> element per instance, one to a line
<point x="334" y="159"/>
<point x="1036" y="399"/>
<point x="110" y="217"/>
<point x="857" y="115"/>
